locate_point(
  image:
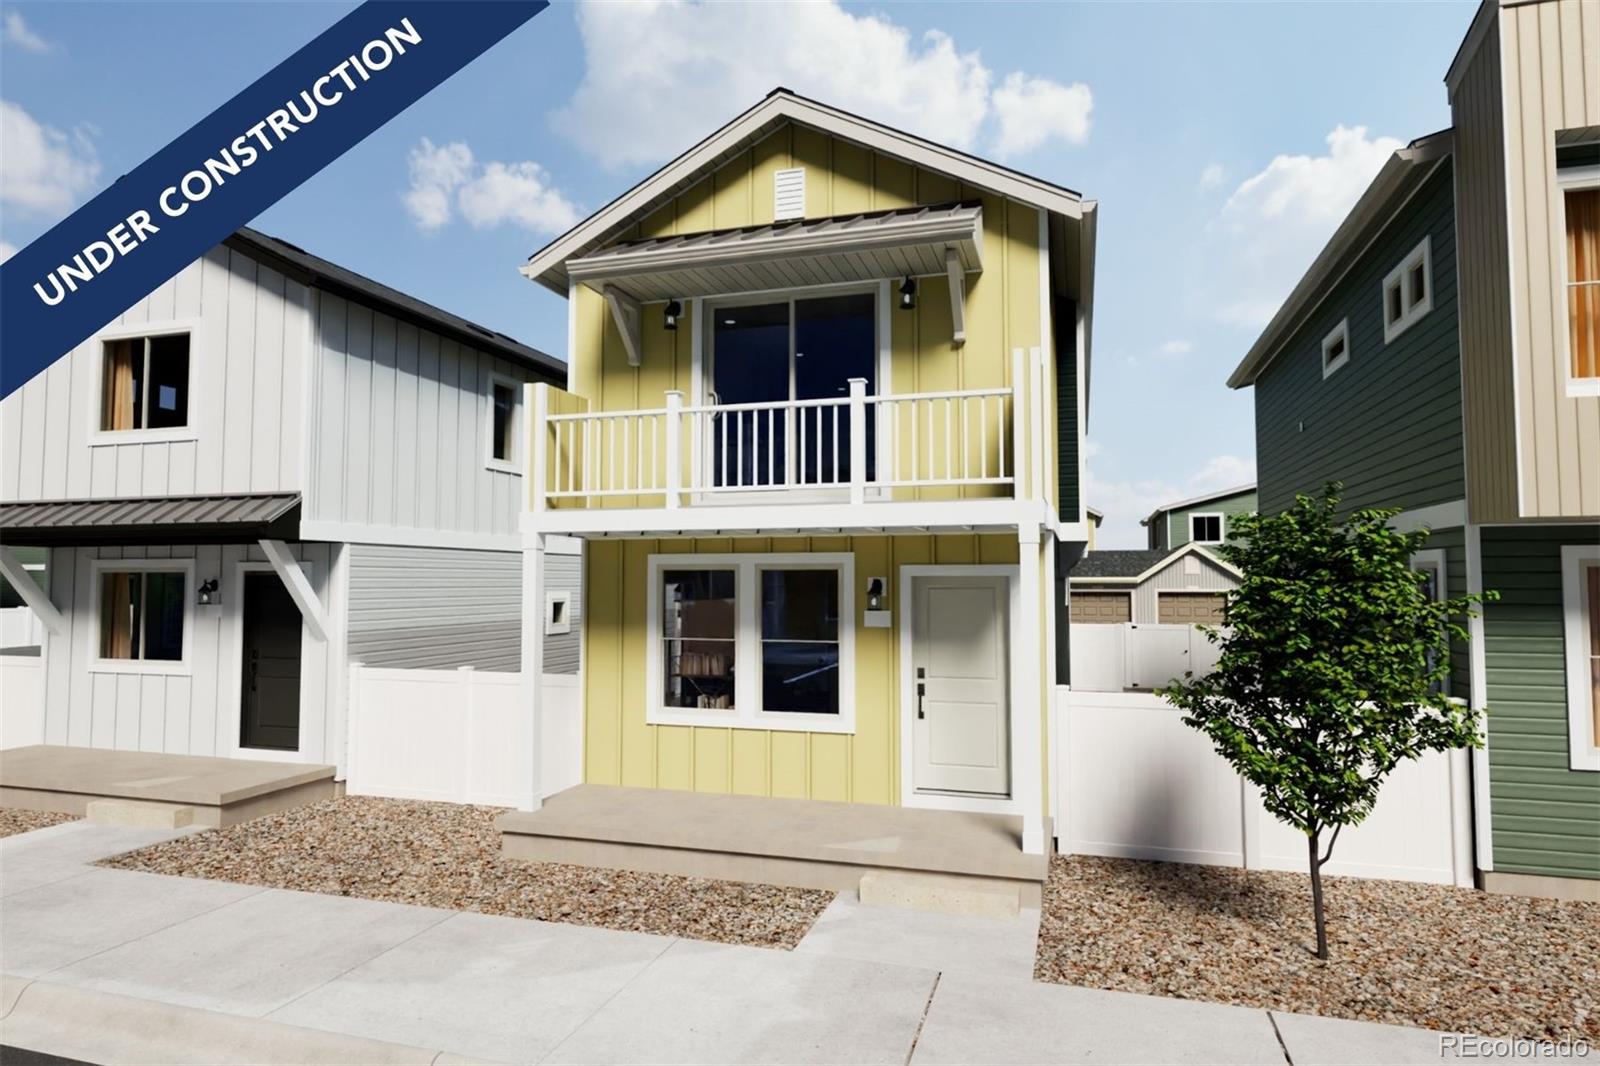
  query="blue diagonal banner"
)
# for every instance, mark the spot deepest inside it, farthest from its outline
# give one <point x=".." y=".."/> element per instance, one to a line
<point x="232" y="165"/>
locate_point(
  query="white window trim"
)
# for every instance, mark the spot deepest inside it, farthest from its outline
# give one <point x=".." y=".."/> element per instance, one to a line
<point x="1409" y="314"/>
<point x="551" y="626"/>
<point x="1339" y="332"/>
<point x="514" y="464"/>
<point x="1222" y="526"/>
<point x="746" y="712"/>
<point x="1582" y="745"/>
<point x="170" y="434"/>
<point x="1572" y="178"/>
<point x="183" y="667"/>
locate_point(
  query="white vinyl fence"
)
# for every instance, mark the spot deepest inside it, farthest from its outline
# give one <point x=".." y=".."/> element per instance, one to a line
<point x="1132" y="781"/>
<point x="20" y="628"/>
<point x="21" y="700"/>
<point x="1137" y="655"/>
<point x="458" y="735"/>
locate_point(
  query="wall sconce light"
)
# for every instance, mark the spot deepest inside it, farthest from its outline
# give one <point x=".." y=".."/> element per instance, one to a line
<point x="210" y="592"/>
<point x="669" y="318"/>
<point x="877" y="614"/>
<point x="908" y="294"/>
<point x="875" y="593"/>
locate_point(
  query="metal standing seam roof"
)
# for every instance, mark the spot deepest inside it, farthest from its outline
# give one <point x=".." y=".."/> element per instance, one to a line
<point x="60" y="520"/>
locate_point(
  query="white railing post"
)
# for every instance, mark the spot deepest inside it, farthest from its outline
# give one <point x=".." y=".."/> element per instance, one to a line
<point x="1019" y="423"/>
<point x="540" y="440"/>
<point x="858" y="440"/>
<point x="674" y="446"/>
<point x="532" y="668"/>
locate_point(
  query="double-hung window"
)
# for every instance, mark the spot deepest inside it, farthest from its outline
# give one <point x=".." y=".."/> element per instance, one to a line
<point x="752" y="641"/>
<point x="144" y="383"/>
<point x="1408" y="291"/>
<point x="1580" y="208"/>
<point x="1580" y="583"/>
<point x="142" y="616"/>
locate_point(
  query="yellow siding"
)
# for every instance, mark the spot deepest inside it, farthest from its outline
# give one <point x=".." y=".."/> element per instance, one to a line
<point x="622" y="749"/>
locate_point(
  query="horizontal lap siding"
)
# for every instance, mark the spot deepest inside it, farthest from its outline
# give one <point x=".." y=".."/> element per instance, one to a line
<point x="564" y="573"/>
<point x="1546" y="815"/>
<point x="1178" y="521"/>
<point x="1388" y="423"/>
<point x="620" y="748"/>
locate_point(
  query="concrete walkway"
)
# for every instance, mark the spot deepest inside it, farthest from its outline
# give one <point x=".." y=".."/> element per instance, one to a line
<point x="183" y="963"/>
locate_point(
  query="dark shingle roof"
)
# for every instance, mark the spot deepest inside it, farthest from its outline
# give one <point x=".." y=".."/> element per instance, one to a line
<point x="1117" y="562"/>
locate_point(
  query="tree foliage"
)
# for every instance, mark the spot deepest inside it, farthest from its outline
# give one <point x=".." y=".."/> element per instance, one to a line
<point x="1333" y="668"/>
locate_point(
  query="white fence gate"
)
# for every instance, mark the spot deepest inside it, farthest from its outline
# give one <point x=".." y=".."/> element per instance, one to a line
<point x="458" y="735"/>
<point x="21" y="700"/>
<point x="1132" y="781"/>
<point x="1137" y="655"/>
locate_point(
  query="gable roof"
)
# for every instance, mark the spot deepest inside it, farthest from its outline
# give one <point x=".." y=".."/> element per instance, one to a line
<point x="1222" y="494"/>
<point x="1401" y="176"/>
<point x="547" y="266"/>
<point x="1132" y="566"/>
<point x="297" y="263"/>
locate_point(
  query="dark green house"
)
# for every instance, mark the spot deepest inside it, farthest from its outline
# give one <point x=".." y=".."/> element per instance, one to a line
<point x="1429" y="362"/>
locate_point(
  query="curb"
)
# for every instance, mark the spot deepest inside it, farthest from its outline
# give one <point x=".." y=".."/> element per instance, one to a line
<point x="109" y="1028"/>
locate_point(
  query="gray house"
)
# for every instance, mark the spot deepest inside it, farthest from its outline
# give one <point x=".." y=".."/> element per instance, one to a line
<point x="1441" y="355"/>
<point x="1186" y="586"/>
<point x="268" y="469"/>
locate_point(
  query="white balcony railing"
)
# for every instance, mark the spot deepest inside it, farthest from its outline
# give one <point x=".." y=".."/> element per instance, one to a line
<point x="858" y="447"/>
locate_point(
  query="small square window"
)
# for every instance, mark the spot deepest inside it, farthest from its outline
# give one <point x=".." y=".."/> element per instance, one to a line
<point x="141" y="615"/>
<point x="558" y="613"/>
<point x="144" y="383"/>
<point x="1205" y="528"/>
<point x="1336" y="348"/>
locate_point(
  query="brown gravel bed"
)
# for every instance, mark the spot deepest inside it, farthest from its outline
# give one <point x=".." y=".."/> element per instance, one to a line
<point x="14" y="821"/>
<point x="1406" y="954"/>
<point x="447" y="855"/>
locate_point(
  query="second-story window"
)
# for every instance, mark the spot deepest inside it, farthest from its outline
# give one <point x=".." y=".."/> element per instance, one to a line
<point x="1205" y="528"/>
<point x="1408" y="291"/>
<point x="503" y="423"/>
<point x="1582" y="207"/>
<point x="145" y="383"/>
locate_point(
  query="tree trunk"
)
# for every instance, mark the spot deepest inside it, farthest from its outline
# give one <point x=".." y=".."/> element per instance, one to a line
<point x="1316" y="897"/>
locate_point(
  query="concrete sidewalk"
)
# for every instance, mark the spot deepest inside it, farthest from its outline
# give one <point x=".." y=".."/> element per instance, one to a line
<point x="386" y="982"/>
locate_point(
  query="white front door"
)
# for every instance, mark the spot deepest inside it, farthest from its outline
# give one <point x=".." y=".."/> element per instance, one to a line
<point x="960" y="693"/>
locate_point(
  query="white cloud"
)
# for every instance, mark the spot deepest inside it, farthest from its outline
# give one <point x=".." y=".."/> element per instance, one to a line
<point x="1276" y="221"/>
<point x="1126" y="502"/>
<point x="18" y="33"/>
<point x="446" y="179"/>
<point x="1211" y="176"/>
<point x="1032" y="110"/>
<point x="1176" y="347"/>
<point x="7" y="250"/>
<point x="662" y="72"/>
<point x="42" y="170"/>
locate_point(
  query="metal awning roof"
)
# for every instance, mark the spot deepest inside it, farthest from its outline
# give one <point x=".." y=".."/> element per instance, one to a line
<point x="911" y="241"/>
<point x="236" y="519"/>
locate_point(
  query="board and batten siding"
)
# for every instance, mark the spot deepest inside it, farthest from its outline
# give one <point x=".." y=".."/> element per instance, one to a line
<point x="400" y="429"/>
<point x="1388" y="423"/>
<point x="1546" y="816"/>
<point x="1189" y="574"/>
<point x="195" y="712"/>
<point x="247" y="361"/>
<point x="442" y="608"/>
<point x="1484" y="274"/>
<point x="1549" y="55"/>
<point x="1002" y="305"/>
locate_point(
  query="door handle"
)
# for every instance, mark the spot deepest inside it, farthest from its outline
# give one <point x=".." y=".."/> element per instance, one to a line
<point x="921" y="691"/>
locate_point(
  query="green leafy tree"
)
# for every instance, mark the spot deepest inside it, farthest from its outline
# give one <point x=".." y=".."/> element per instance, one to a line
<point x="1332" y="670"/>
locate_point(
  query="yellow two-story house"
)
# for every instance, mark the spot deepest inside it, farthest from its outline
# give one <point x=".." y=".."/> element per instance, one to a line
<point x="822" y="436"/>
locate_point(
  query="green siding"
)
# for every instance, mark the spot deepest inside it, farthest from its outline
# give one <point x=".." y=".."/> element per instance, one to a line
<point x="1064" y="315"/>
<point x="1178" y="521"/>
<point x="1546" y="816"/>
<point x="1454" y="543"/>
<point x="1387" y="423"/>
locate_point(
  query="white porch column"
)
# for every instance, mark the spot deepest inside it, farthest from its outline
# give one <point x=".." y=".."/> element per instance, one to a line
<point x="1027" y="695"/>
<point x="533" y="616"/>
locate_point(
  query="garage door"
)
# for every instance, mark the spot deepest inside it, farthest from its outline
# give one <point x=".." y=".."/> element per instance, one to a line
<point x="1187" y="608"/>
<point x="1106" y="608"/>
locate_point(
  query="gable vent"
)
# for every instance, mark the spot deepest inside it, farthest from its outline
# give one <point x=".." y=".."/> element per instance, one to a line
<point x="789" y="194"/>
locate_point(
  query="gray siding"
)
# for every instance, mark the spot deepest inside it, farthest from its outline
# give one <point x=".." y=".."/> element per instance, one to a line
<point x="1546" y="815"/>
<point x="400" y="428"/>
<point x="1387" y="424"/>
<point x="441" y="608"/>
<point x="1176" y="578"/>
<point x="247" y="358"/>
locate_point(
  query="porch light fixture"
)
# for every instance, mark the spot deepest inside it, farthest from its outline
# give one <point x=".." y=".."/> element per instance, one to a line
<point x="908" y="294"/>
<point x="669" y="318"/>
<point x="210" y="592"/>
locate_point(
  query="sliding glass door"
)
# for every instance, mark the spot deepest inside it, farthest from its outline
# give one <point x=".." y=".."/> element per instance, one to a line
<point x="778" y="353"/>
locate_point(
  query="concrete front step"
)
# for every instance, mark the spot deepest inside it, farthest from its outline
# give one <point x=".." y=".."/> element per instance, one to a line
<point x="138" y="814"/>
<point x="973" y="897"/>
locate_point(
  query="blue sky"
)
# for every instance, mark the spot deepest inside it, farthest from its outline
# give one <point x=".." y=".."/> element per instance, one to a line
<point x="1223" y="141"/>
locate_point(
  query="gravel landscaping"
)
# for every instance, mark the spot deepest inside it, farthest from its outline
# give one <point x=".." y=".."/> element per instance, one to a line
<point x="1402" y="953"/>
<point x="13" y="821"/>
<point x="447" y="855"/>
